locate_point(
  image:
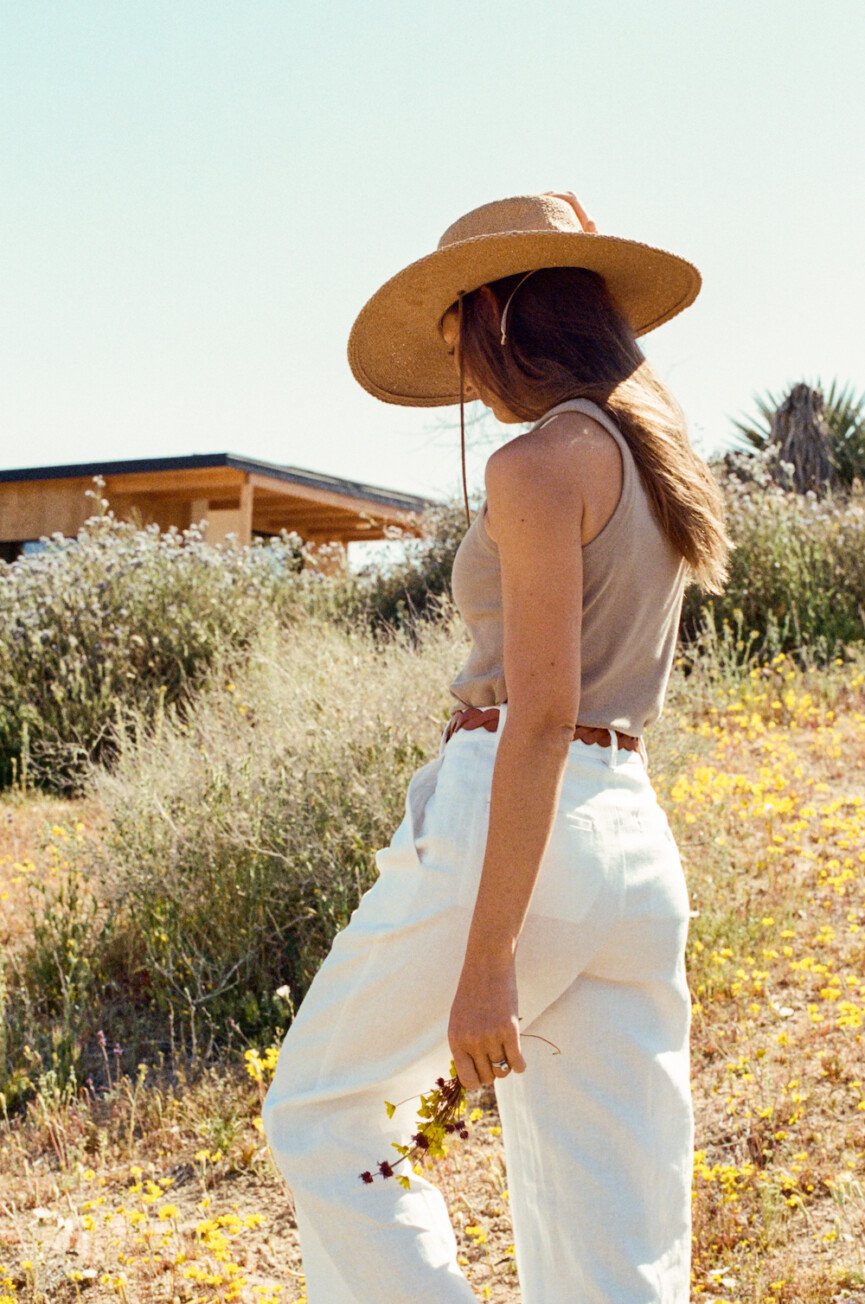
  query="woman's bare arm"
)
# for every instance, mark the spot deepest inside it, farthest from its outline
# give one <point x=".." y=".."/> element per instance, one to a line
<point x="536" y="504"/>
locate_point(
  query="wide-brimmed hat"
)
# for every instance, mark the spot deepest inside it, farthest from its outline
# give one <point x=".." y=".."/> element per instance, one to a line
<point x="396" y="350"/>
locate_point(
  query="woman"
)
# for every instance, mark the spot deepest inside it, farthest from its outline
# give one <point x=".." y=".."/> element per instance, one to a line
<point x="534" y="885"/>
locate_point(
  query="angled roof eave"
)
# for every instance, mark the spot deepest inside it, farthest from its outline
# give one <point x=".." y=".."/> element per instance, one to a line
<point x="199" y="461"/>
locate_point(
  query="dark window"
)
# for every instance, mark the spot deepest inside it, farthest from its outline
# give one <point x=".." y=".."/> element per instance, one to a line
<point x="12" y="549"/>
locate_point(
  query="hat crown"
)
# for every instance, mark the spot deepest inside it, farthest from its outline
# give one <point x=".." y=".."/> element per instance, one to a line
<point x="522" y="213"/>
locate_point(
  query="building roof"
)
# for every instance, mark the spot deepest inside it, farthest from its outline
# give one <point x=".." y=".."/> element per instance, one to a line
<point x="290" y="474"/>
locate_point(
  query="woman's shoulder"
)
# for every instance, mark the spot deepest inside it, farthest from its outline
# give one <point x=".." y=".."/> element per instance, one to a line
<point x="564" y="443"/>
<point x="538" y="475"/>
<point x="554" y="463"/>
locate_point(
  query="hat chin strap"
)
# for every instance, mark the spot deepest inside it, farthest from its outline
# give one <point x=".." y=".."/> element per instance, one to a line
<point x="508" y="304"/>
<point x="462" y="377"/>
<point x="462" y="402"/>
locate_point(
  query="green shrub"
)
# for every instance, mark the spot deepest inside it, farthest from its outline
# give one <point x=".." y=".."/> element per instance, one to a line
<point x="122" y="617"/>
<point x="417" y="585"/>
<point x="797" y="573"/>
<point x="234" y="841"/>
<point x="240" y="839"/>
<point x="52" y="983"/>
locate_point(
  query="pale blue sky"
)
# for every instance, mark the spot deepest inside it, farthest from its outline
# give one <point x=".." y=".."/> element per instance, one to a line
<point x="198" y="197"/>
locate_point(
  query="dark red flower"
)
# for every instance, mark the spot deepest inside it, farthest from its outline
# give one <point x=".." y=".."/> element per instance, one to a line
<point x="367" y="1176"/>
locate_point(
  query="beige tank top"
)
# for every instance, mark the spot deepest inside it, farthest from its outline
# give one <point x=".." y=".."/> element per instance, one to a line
<point x="633" y="587"/>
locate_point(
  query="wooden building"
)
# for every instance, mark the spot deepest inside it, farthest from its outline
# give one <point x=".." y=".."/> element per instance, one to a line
<point x="228" y="492"/>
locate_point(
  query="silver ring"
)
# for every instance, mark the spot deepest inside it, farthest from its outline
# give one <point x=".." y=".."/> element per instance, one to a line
<point x="501" y="1064"/>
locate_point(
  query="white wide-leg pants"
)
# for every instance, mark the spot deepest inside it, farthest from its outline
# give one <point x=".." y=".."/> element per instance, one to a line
<point x="598" y="1138"/>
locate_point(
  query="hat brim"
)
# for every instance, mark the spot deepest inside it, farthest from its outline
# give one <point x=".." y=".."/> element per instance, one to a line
<point x="396" y="350"/>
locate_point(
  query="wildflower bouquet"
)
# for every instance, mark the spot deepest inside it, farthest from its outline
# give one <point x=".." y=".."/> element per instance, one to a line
<point x="442" y="1108"/>
<point x="442" y="1113"/>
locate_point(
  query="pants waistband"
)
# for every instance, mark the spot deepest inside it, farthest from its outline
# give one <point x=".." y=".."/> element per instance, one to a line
<point x="487" y="717"/>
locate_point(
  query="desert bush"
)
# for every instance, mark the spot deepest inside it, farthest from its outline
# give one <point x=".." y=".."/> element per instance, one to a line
<point x="123" y="617"/>
<point x="51" y="978"/>
<point x="240" y="838"/>
<point x="415" y="587"/>
<point x="235" y="838"/>
<point x="797" y="573"/>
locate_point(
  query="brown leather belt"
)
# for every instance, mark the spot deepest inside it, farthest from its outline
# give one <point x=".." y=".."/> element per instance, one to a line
<point x="477" y="717"/>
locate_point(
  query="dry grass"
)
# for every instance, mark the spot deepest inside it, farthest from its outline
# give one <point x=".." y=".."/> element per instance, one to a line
<point x="161" y="1188"/>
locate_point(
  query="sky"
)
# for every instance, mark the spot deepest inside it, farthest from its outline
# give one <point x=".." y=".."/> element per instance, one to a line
<point x="199" y="197"/>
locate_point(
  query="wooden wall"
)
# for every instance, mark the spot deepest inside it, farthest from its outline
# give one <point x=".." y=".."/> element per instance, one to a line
<point x="229" y="499"/>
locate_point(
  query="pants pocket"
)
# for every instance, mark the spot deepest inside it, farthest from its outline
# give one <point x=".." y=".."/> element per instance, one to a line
<point x="655" y="827"/>
<point x="385" y="905"/>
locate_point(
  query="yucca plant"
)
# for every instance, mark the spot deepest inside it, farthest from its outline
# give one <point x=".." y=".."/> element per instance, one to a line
<point x="845" y="416"/>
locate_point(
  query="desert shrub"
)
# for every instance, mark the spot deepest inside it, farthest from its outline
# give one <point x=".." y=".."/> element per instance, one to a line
<point x="51" y="964"/>
<point x="234" y="840"/>
<point x="124" y="618"/>
<point x="416" y="586"/>
<point x="797" y="574"/>
<point x="121" y="618"/>
<point x="239" y="839"/>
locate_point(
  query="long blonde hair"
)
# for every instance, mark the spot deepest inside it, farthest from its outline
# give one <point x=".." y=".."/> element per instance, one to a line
<point x="566" y="338"/>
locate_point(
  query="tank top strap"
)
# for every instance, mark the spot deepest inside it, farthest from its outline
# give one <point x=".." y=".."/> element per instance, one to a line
<point x="629" y="469"/>
<point x="590" y="407"/>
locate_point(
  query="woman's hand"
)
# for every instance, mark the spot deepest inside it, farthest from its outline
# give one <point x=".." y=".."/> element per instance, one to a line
<point x="484" y="1025"/>
<point x="570" y="198"/>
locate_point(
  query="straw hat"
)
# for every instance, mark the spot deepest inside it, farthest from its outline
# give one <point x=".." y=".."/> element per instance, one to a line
<point x="395" y="348"/>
